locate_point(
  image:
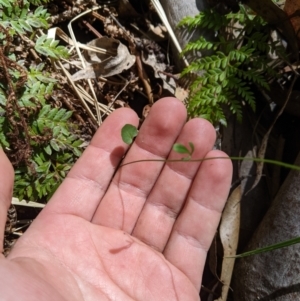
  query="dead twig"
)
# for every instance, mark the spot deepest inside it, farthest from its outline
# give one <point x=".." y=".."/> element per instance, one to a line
<point x="263" y="147"/>
<point x="144" y="78"/>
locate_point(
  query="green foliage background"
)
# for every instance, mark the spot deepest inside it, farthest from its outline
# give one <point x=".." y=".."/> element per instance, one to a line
<point x="54" y="143"/>
<point x="240" y="59"/>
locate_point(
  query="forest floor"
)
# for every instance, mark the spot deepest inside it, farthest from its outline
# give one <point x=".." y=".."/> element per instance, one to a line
<point x="120" y="56"/>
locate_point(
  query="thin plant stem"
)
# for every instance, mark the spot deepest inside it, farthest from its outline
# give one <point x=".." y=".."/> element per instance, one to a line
<point x="186" y="160"/>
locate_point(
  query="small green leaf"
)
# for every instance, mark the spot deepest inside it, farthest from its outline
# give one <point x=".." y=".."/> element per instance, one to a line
<point x="77" y="143"/>
<point x="48" y="149"/>
<point x="128" y="133"/>
<point x="54" y="145"/>
<point x="56" y="131"/>
<point x="192" y="146"/>
<point x="40" y="125"/>
<point x="41" y="40"/>
<point x="29" y="191"/>
<point x="17" y="27"/>
<point x="76" y="152"/>
<point x="5" y="3"/>
<point x="180" y="148"/>
<point x="25" y="25"/>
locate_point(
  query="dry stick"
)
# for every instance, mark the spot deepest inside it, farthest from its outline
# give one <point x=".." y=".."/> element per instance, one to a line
<point x="115" y="98"/>
<point x="144" y="78"/>
<point x="165" y="21"/>
<point x="129" y="39"/>
<point x="92" y="29"/>
<point x="70" y="106"/>
<point x="262" y="150"/>
<point x="89" y="99"/>
<point x="31" y="47"/>
<point x="98" y="16"/>
<point x="83" y="61"/>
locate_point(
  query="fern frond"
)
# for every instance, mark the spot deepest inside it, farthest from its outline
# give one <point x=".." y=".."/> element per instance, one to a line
<point x="200" y="44"/>
<point x="49" y="47"/>
<point x="226" y="77"/>
<point x="254" y="76"/>
<point x="210" y="19"/>
<point x="5" y="4"/>
<point x="211" y="113"/>
<point x="52" y="141"/>
<point x="38" y="2"/>
<point x="236" y="108"/>
<point x="21" y="21"/>
<point x="241" y="54"/>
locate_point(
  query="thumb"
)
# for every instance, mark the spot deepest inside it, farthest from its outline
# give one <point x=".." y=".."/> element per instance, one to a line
<point x="6" y="188"/>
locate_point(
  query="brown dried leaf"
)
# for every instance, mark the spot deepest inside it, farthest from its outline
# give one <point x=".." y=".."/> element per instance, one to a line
<point x="181" y="94"/>
<point x="292" y="8"/>
<point x="105" y="57"/>
<point x="168" y="83"/>
<point x="229" y="234"/>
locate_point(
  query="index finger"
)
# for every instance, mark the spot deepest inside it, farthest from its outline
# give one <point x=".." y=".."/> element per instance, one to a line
<point x="87" y="182"/>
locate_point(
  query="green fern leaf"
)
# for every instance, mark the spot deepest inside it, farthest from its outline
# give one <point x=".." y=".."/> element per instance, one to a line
<point x="48" y="47"/>
<point x="5" y="3"/>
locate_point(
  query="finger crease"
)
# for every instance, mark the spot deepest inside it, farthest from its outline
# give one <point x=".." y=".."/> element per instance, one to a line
<point x="131" y="188"/>
<point x="193" y="241"/>
<point x="151" y="150"/>
<point x="205" y="207"/>
<point x="181" y="174"/>
<point x="88" y="182"/>
<point x="168" y="210"/>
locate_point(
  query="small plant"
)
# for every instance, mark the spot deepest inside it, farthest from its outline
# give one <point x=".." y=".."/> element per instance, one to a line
<point x="40" y="139"/>
<point x="131" y="131"/>
<point x="240" y="59"/>
<point x="181" y="149"/>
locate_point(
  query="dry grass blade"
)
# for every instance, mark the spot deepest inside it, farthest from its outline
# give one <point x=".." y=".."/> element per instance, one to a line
<point x="66" y="73"/>
<point x="96" y="49"/>
<point x="165" y="21"/>
<point x="83" y="96"/>
<point x="99" y="120"/>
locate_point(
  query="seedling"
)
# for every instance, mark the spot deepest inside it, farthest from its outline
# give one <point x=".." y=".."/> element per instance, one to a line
<point x="181" y="149"/>
<point x="129" y="132"/>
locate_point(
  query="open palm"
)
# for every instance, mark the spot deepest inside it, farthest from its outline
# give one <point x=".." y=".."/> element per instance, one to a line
<point x="138" y="232"/>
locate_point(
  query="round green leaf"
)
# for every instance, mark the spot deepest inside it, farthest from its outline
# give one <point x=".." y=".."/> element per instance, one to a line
<point x="128" y="133"/>
<point x="179" y="148"/>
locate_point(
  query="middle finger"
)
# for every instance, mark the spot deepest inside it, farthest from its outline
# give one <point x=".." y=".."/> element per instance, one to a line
<point x="129" y="189"/>
<point x="169" y="193"/>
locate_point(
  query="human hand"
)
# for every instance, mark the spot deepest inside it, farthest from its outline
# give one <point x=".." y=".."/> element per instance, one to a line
<point x="140" y="232"/>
